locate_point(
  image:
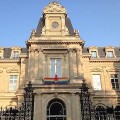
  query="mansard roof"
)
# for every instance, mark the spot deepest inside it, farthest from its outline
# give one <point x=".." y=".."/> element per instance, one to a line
<point x="7" y="52"/>
<point x="101" y="51"/>
<point x="41" y="24"/>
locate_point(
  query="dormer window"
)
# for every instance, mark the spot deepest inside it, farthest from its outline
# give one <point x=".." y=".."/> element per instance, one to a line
<point x="1" y="52"/>
<point x="15" y="54"/>
<point x="93" y="54"/>
<point x="93" y="50"/>
<point x="109" y="54"/>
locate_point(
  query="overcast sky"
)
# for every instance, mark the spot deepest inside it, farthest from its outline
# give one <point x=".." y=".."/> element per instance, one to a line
<point x="98" y="21"/>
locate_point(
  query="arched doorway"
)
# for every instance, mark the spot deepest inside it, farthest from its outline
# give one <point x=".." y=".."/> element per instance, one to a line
<point x="56" y="110"/>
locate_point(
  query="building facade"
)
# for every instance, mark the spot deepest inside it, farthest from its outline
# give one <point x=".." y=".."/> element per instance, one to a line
<point x="56" y="61"/>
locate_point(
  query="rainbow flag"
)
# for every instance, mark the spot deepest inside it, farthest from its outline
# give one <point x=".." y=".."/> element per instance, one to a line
<point x="56" y="80"/>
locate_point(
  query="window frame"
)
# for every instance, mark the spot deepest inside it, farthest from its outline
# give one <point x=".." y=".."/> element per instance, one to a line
<point x="92" y="55"/>
<point x="110" y="49"/>
<point x="15" y="55"/>
<point x="94" y="49"/>
<point x="114" y="82"/>
<point x="108" y="55"/>
<point x="100" y="82"/>
<point x="17" y="80"/>
<point x="55" y="66"/>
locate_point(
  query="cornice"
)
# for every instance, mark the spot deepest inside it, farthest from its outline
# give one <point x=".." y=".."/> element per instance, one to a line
<point x="54" y="42"/>
<point x="86" y="55"/>
<point x="23" y="55"/>
<point x="9" y="61"/>
<point x="105" y="60"/>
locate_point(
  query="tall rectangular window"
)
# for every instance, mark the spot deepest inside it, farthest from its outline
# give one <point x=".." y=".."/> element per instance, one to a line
<point x="13" y="82"/>
<point x="114" y="81"/>
<point x="96" y="82"/>
<point x="110" y="54"/>
<point x="93" y="54"/>
<point x="15" y="54"/>
<point x="55" y="67"/>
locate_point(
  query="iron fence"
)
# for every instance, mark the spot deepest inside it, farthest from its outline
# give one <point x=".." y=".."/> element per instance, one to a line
<point x="88" y="110"/>
<point x="25" y="112"/>
<point x="98" y="112"/>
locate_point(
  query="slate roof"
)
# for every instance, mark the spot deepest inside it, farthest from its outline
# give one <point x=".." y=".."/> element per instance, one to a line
<point x="41" y="24"/>
<point x="7" y="52"/>
<point x="101" y="51"/>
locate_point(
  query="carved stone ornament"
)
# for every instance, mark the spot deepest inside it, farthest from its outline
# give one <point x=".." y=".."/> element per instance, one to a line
<point x="54" y="7"/>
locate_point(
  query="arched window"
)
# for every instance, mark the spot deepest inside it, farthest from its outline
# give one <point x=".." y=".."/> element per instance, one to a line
<point x="100" y="113"/>
<point x="56" y="110"/>
<point x="117" y="112"/>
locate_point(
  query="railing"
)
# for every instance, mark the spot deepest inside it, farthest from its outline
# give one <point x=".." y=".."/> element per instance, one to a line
<point x="88" y="110"/>
<point x="98" y="112"/>
<point x="25" y="112"/>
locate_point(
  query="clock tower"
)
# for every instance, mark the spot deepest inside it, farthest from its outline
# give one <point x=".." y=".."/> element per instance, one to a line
<point x="54" y="19"/>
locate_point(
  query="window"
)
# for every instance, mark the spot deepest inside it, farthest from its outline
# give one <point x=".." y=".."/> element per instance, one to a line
<point x="114" y="81"/>
<point x="96" y="82"/>
<point x="93" y="54"/>
<point x="109" y="54"/>
<point x="55" y="67"/>
<point x="13" y="82"/>
<point x="56" y="110"/>
<point x="15" y="54"/>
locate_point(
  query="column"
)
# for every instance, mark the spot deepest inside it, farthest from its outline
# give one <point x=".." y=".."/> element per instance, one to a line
<point x="46" y="66"/>
<point x="73" y="109"/>
<point x="31" y="65"/>
<point x="74" y="63"/>
<point x="38" y="107"/>
<point x="78" y="108"/>
<point x="64" y="66"/>
<point x="36" y="64"/>
<point x="78" y="63"/>
<point x="40" y="69"/>
<point x="23" y="75"/>
<point x="70" y="63"/>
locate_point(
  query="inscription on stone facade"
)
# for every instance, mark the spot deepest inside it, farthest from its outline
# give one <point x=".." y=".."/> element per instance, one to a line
<point x="54" y="47"/>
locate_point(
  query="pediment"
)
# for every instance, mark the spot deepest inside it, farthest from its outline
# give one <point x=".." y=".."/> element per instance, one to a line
<point x="96" y="70"/>
<point x="13" y="70"/>
<point x="54" y="7"/>
<point x="113" y="70"/>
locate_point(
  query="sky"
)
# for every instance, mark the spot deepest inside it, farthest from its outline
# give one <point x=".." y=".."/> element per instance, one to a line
<point x="98" y="21"/>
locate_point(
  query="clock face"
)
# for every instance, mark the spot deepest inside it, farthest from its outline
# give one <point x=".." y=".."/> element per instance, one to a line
<point x="55" y="24"/>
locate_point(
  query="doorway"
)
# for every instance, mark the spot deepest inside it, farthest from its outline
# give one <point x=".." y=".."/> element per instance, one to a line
<point x="56" y="110"/>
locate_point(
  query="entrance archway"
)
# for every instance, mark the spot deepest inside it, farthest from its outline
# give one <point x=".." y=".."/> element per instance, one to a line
<point x="56" y="110"/>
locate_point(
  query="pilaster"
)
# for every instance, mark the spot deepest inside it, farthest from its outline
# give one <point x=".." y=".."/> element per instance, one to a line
<point x="38" y="107"/>
<point x="73" y="109"/>
<point x="40" y="66"/>
<point x="31" y="64"/>
<point x="79" y="66"/>
<point x="36" y="64"/>
<point x="70" y="63"/>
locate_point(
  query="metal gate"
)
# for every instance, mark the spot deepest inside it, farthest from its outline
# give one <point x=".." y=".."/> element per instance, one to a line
<point x="99" y="112"/>
<point x="88" y="110"/>
<point x="25" y="112"/>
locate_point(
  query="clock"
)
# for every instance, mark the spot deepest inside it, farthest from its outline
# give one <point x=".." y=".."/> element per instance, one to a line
<point x="55" y="24"/>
